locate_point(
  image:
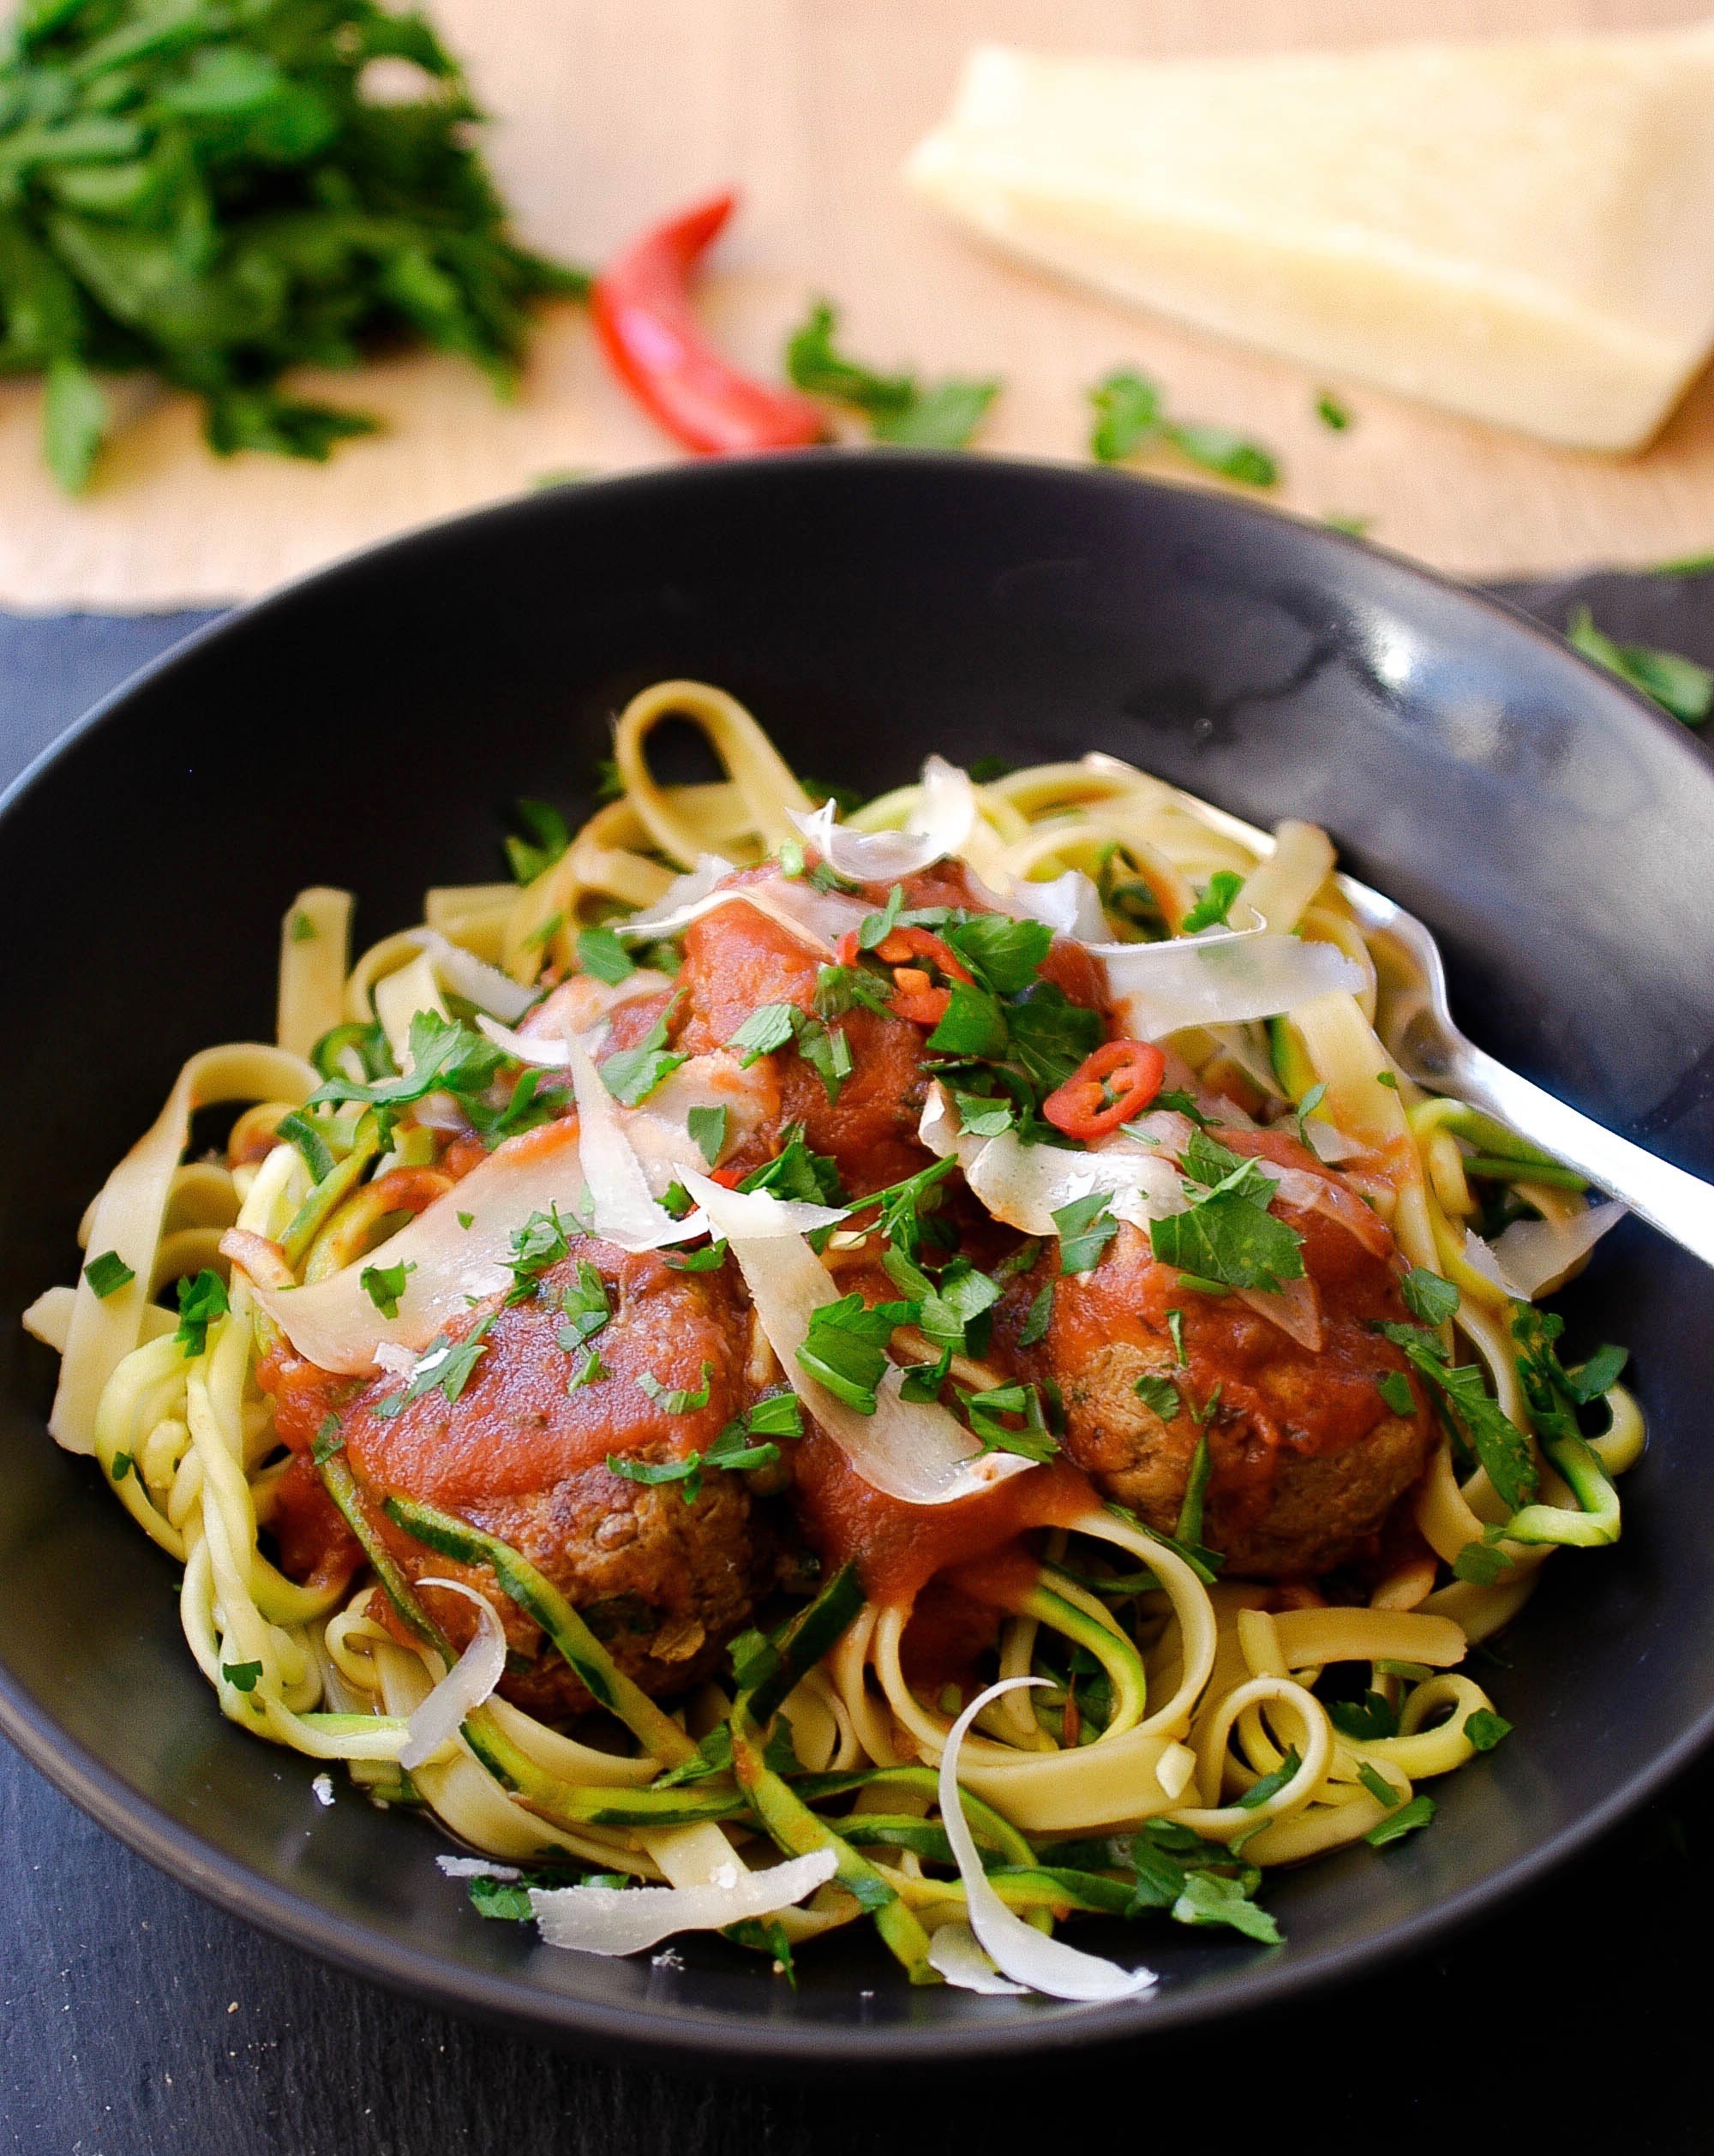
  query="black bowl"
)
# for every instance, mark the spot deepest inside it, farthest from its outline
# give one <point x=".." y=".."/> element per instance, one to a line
<point x="371" y="727"/>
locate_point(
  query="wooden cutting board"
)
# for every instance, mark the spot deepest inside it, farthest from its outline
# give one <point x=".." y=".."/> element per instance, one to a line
<point x="611" y="112"/>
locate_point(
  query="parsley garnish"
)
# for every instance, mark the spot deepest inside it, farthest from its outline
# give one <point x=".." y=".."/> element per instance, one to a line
<point x="122" y="1464"/>
<point x="303" y="928"/>
<point x="1270" y="1785"/>
<point x="107" y="1274"/>
<point x="1484" y="1728"/>
<point x="201" y="1301"/>
<point x="941" y="415"/>
<point x="1039" y="1317"/>
<point x="742" y="1444"/>
<point x="1497" y="1442"/>
<point x="709" y="1259"/>
<point x="707" y="1127"/>
<point x="1187" y="1528"/>
<point x="600" y="953"/>
<point x="763" y="1031"/>
<point x="541" y="1242"/>
<point x="384" y="1286"/>
<point x="1158" y="1394"/>
<point x="796" y="1172"/>
<point x="633" y="1074"/>
<point x="1367" y="1719"/>
<point x="1678" y="684"/>
<point x="1331" y="412"/>
<point x="1214" y="908"/>
<point x="242" y="1676"/>
<point x="1394" y="1388"/>
<point x="1175" y="1325"/>
<point x="1086" y="1228"/>
<point x="1306" y="1108"/>
<point x="445" y="1057"/>
<point x="1405" y="1820"/>
<point x="984" y="1409"/>
<point x="1130" y="416"/>
<point x="329" y="1439"/>
<point x="586" y="1309"/>
<point x="1229" y="1239"/>
<point x="549" y="838"/>
<point x="845" y="1347"/>
<point x="677" y="1399"/>
<point x="1480" y="1563"/>
<point x="1428" y="1298"/>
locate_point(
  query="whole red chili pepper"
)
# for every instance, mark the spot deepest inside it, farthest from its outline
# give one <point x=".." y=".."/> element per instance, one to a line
<point x="643" y="317"/>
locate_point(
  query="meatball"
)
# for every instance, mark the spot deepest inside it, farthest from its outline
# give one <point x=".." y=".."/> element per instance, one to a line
<point x="737" y="959"/>
<point x="1308" y="1457"/>
<point x="663" y="1583"/>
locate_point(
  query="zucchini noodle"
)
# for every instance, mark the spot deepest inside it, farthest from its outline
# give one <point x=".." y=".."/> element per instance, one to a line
<point x="1178" y="1725"/>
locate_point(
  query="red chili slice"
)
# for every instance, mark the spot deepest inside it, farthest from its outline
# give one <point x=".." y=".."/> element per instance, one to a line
<point x="642" y="313"/>
<point x="905" y="943"/>
<point x="1108" y="1088"/>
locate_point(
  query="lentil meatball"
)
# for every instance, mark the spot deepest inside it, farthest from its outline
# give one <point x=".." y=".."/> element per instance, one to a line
<point x="1308" y="1457"/>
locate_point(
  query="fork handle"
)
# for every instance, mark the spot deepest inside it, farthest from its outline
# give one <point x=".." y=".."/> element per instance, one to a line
<point x="1680" y="1205"/>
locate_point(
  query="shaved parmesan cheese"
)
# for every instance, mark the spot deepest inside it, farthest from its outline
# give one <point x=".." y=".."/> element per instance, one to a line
<point x="1028" y="1956"/>
<point x="470" y="1681"/>
<point x="1026" y="1185"/>
<point x="624" y="1208"/>
<point x="1070" y="905"/>
<point x="1515" y="229"/>
<point x="334" y="1323"/>
<point x="682" y="892"/>
<point x="1535" y="1256"/>
<point x="939" y="824"/>
<point x="595" y="1920"/>
<point x="1220" y="978"/>
<point x="920" y="1453"/>
<point x="816" y="919"/>
<point x="953" y="1952"/>
<point x="477" y="1868"/>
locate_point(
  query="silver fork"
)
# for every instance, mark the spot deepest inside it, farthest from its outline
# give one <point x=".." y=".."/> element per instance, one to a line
<point x="1434" y="1052"/>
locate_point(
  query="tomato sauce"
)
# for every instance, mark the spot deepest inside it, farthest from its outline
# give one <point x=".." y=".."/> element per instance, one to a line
<point x="899" y="1546"/>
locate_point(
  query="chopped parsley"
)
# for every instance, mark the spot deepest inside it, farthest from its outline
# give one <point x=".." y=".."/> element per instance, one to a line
<point x="1187" y="1528"/>
<point x="1496" y="1439"/>
<point x="1484" y="1728"/>
<point x="1394" y="1388"/>
<point x="633" y="1074"/>
<point x="445" y="1056"/>
<point x="587" y="1309"/>
<point x="1033" y="1441"/>
<point x="1086" y="1227"/>
<point x="107" y="1274"/>
<point x="441" y="1368"/>
<point x="743" y="1443"/>
<point x="549" y="837"/>
<point x="1228" y="1238"/>
<point x="1428" y="1297"/>
<point x="764" y="1030"/>
<point x="1039" y="1317"/>
<point x="541" y="1242"/>
<point x="1331" y="412"/>
<point x="951" y="1304"/>
<point x="677" y="1399"/>
<point x="1480" y="1563"/>
<point x="707" y="1127"/>
<point x="303" y="928"/>
<point x="1214" y="908"/>
<point x="601" y="954"/>
<point x="1405" y="1820"/>
<point x="942" y="415"/>
<point x="845" y="1347"/>
<point x="201" y="1301"/>
<point x="1377" y="1785"/>
<point x="122" y="1464"/>
<point x="329" y="1439"/>
<point x="1678" y="684"/>
<point x="1368" y="1720"/>
<point x="1270" y="1785"/>
<point x="243" y="1676"/>
<point x="383" y="1285"/>
<point x="709" y="1259"/>
<point x="1175" y="1325"/>
<point x="1306" y="1108"/>
<point x="1158" y="1394"/>
<point x="796" y="1172"/>
<point x="1130" y="416"/>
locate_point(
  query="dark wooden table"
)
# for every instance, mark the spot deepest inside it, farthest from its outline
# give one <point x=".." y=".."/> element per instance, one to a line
<point x="139" y="2022"/>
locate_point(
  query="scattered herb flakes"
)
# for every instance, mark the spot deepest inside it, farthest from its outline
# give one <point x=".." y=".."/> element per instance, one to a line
<point x="1480" y="1563"/>
<point x="600" y="953"/>
<point x="1678" y="684"/>
<point x="1158" y="1394"/>
<point x="243" y="1676"/>
<point x="303" y="930"/>
<point x="1270" y="1785"/>
<point x="942" y="415"/>
<point x="1086" y="1227"/>
<point x="633" y="1074"/>
<point x="329" y="1439"/>
<point x="1377" y="1785"/>
<point x="1039" y="1317"/>
<point x="1213" y="908"/>
<point x="1484" y="1728"/>
<point x="383" y="1285"/>
<point x="1175" y="1325"/>
<point x="766" y="1029"/>
<point x="1367" y="1719"/>
<point x="1497" y="1442"/>
<point x="1405" y="1820"/>
<point x="677" y="1399"/>
<point x="845" y="1347"/>
<point x="1394" y="1388"/>
<point x="122" y="1464"/>
<point x="1428" y="1298"/>
<point x="107" y="1274"/>
<point x="1228" y="1238"/>
<point x="1331" y="413"/>
<point x="707" y="1127"/>
<point x="201" y="1301"/>
<point x="1130" y="416"/>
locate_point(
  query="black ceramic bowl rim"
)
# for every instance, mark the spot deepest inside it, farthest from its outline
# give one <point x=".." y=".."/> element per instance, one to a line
<point x="164" y="1841"/>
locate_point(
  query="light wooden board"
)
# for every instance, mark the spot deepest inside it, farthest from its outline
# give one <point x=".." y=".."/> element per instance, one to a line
<point x="611" y="112"/>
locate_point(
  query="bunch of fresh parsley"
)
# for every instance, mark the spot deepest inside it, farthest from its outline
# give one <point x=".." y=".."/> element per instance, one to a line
<point x="204" y="190"/>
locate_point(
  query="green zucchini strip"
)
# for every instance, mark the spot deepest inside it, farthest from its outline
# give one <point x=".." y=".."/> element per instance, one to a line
<point x="802" y="1644"/>
<point x="653" y="1729"/>
<point x="1109" y="1646"/>
<point x="799" y="1832"/>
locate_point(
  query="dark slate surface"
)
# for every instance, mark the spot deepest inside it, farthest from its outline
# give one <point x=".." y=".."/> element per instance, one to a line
<point x="138" y="2021"/>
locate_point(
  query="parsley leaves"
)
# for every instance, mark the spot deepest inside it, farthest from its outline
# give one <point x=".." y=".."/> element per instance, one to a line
<point x="1678" y="684"/>
<point x="1228" y="1238"/>
<point x="941" y="415"/>
<point x="601" y="954"/>
<point x="743" y="1443"/>
<point x="633" y="1074"/>
<point x="383" y="1285"/>
<point x="1496" y="1441"/>
<point x="1086" y="1228"/>
<point x="1213" y="908"/>
<point x="107" y="1274"/>
<point x="845" y="1347"/>
<point x="201" y="1301"/>
<point x="528" y="858"/>
<point x="1130" y="416"/>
